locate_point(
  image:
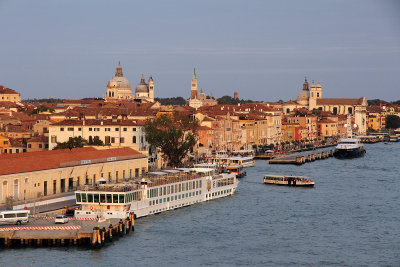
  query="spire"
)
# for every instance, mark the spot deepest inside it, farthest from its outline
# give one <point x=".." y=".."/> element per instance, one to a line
<point x="194" y="73"/>
<point x="118" y="71"/>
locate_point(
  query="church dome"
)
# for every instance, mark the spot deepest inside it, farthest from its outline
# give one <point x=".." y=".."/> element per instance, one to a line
<point x="120" y="82"/>
<point x="302" y="97"/>
<point x="142" y="87"/>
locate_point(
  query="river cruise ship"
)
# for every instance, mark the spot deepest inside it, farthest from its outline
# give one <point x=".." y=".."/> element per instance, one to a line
<point x="160" y="191"/>
<point x="288" y="180"/>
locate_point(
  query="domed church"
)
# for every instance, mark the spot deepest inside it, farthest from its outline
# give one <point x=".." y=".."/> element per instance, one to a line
<point x="145" y="91"/>
<point x="118" y="87"/>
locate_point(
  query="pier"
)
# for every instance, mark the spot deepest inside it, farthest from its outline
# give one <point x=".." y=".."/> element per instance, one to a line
<point x="301" y="158"/>
<point x="41" y="231"/>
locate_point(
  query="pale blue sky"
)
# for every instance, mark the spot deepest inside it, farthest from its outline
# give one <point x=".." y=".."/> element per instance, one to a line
<point x="262" y="49"/>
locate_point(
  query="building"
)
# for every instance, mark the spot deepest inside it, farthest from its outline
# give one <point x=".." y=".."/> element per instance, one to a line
<point x="37" y="143"/>
<point x="29" y="176"/>
<point x="118" y="87"/>
<point x="145" y="91"/>
<point x="311" y="98"/>
<point x="197" y="99"/>
<point x="7" y="94"/>
<point x="113" y="133"/>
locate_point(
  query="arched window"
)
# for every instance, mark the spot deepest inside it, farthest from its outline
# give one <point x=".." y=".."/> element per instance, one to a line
<point x="334" y="110"/>
<point x="287" y="110"/>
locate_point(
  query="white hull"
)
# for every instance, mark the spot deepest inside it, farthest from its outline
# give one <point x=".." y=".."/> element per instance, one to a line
<point x="207" y="189"/>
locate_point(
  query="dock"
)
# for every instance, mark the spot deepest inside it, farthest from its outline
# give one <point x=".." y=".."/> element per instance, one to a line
<point x="301" y="158"/>
<point x="42" y="232"/>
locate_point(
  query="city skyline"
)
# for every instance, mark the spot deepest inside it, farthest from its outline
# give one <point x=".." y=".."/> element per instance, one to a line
<point x="262" y="50"/>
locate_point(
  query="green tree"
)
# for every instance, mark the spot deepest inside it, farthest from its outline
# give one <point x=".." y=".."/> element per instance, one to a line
<point x="174" y="135"/>
<point x="96" y="141"/>
<point x="392" y="122"/>
<point x="72" y="143"/>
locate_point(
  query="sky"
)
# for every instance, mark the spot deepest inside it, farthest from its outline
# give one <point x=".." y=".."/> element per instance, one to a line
<point x="262" y="49"/>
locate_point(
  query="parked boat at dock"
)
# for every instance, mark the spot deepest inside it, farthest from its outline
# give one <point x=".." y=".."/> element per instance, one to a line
<point x="349" y="148"/>
<point x="288" y="180"/>
<point x="160" y="191"/>
<point x="236" y="169"/>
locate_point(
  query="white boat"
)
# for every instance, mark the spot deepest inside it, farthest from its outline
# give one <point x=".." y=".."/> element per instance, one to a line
<point x="243" y="161"/>
<point x="160" y="191"/>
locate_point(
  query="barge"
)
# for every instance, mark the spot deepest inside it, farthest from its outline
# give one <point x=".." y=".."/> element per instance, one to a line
<point x="288" y="180"/>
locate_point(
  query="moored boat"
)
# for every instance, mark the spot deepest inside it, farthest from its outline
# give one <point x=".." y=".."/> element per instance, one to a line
<point x="288" y="180"/>
<point x="349" y="148"/>
<point x="160" y="191"/>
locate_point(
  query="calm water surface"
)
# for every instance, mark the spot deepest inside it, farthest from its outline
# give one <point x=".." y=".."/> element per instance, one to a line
<point x="350" y="218"/>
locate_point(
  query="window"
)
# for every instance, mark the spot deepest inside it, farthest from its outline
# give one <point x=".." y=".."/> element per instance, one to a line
<point x="122" y="140"/>
<point x="79" y="129"/>
<point x="29" y="145"/>
<point x="125" y="129"/>
<point x="115" y="198"/>
<point x="134" y="129"/>
<point x="116" y="129"/>
<point x="70" y="129"/>
<point x="134" y="140"/>
<point x="112" y="140"/>
<point x="109" y="198"/>
<point x="90" y="197"/>
<point x="40" y="145"/>
<point x="54" y="139"/>
<point x="90" y="129"/>
<point x="62" y="129"/>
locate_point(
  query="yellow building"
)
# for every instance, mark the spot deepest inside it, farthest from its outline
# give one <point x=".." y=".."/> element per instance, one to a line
<point x="328" y="128"/>
<point x="30" y="176"/>
<point x="4" y="144"/>
<point x="7" y="94"/>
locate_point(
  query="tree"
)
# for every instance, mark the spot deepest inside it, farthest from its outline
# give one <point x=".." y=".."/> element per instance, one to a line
<point x="174" y="135"/>
<point x="72" y="143"/>
<point x="96" y="141"/>
<point x="392" y="122"/>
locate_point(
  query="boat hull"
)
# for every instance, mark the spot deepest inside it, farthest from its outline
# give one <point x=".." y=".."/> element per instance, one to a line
<point x="348" y="153"/>
<point x="286" y="183"/>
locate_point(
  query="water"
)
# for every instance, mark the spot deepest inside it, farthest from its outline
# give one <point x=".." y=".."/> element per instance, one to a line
<point x="350" y="218"/>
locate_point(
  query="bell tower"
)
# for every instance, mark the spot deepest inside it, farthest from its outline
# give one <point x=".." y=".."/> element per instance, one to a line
<point x="151" y="89"/>
<point x="193" y="91"/>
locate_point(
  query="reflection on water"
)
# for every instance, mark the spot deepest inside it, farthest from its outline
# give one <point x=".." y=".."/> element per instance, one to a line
<point x="351" y="217"/>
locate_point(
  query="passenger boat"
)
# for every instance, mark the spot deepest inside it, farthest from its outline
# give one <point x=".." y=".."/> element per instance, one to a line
<point x="349" y="148"/>
<point x="288" y="180"/>
<point x="226" y="161"/>
<point x="236" y="169"/>
<point x="160" y="191"/>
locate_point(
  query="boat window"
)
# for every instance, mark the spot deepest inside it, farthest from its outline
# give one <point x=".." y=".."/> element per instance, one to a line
<point x="23" y="214"/>
<point x="109" y="198"/>
<point x="1" y="216"/>
<point x="78" y="197"/>
<point x="9" y="215"/>
<point x="83" y="197"/>
<point x="121" y="198"/>
<point x="168" y="190"/>
<point x="164" y="190"/>
<point x="90" y="197"/>
<point x="103" y="198"/>
<point x="115" y="198"/>
<point x="96" y="198"/>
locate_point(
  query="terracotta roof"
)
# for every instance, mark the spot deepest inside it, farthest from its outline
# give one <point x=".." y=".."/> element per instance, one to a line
<point x="339" y="101"/>
<point x="38" y="139"/>
<point x="16" y="143"/>
<point x="5" y="90"/>
<point x="98" y="122"/>
<point x="45" y="160"/>
<point x="204" y="128"/>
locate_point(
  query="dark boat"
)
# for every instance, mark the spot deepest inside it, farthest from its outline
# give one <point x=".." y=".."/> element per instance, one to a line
<point x="349" y="148"/>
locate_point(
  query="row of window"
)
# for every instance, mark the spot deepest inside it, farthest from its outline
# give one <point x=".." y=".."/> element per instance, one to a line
<point x="224" y="182"/>
<point x="95" y="129"/>
<point x="108" y="198"/>
<point x="173" y="198"/>
<point x="173" y="207"/>
<point x="171" y="189"/>
<point x="223" y="192"/>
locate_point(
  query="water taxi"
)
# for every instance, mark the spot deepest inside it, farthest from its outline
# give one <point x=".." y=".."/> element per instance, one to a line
<point x="243" y="161"/>
<point x="288" y="180"/>
<point x="158" y="192"/>
<point x="236" y="169"/>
